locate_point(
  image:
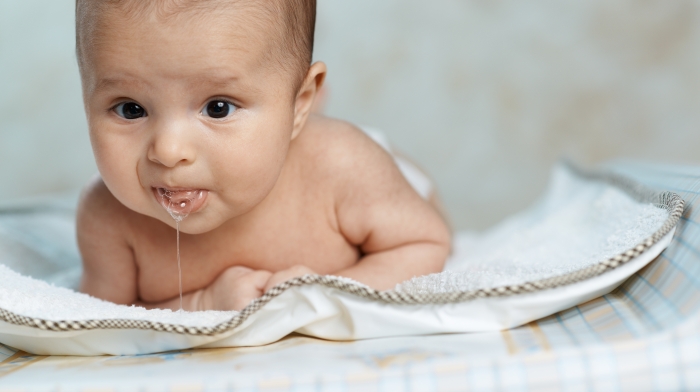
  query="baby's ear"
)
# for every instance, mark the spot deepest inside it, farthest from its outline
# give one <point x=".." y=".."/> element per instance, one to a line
<point x="308" y="92"/>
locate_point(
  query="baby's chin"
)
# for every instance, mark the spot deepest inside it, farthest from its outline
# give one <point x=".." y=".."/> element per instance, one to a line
<point x="193" y="224"/>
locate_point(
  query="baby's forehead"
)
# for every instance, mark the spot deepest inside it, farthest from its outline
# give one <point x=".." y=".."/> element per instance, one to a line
<point x="281" y="29"/>
<point x="242" y="15"/>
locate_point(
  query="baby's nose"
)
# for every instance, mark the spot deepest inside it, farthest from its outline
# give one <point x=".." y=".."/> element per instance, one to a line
<point x="170" y="147"/>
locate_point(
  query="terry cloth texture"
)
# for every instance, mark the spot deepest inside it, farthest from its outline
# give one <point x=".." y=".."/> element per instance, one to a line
<point x="594" y="225"/>
<point x="642" y="336"/>
<point x="578" y="224"/>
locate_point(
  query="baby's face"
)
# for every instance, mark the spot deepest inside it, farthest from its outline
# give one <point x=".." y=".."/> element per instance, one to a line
<point x="185" y="112"/>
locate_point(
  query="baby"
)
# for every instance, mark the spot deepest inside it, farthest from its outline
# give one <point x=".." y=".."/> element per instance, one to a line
<point x="204" y="107"/>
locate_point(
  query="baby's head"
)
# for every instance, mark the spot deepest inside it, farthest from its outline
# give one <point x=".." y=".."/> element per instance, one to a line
<point x="195" y="97"/>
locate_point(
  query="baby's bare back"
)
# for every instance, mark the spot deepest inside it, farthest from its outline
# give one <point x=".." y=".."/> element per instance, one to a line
<point x="338" y="198"/>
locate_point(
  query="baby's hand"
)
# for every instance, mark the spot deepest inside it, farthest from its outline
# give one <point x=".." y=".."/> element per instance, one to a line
<point x="234" y="289"/>
<point x="285" y="275"/>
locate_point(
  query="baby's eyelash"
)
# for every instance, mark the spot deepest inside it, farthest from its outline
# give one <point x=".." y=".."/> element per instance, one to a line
<point x="224" y="100"/>
<point x="120" y="102"/>
<point x="219" y="108"/>
<point x="129" y="110"/>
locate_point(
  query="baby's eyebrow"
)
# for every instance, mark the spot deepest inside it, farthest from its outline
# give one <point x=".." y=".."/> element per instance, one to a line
<point x="109" y="83"/>
<point x="215" y="82"/>
<point x="199" y="81"/>
<point x="222" y="84"/>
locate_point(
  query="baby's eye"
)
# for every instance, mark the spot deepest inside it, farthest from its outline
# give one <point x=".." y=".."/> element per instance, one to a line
<point x="129" y="110"/>
<point x="218" y="108"/>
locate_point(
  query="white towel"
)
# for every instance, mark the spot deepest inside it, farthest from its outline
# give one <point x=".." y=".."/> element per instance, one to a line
<point x="577" y="224"/>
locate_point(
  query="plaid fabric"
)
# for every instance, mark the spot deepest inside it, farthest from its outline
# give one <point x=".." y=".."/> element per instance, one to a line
<point x="657" y="298"/>
<point x="645" y="335"/>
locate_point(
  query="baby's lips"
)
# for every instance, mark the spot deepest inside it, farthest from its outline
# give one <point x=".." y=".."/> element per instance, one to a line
<point x="181" y="202"/>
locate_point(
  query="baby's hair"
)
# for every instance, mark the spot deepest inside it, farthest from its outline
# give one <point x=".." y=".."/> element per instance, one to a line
<point x="294" y="20"/>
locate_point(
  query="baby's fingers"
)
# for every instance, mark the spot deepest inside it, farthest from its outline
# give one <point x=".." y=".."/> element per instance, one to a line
<point x="250" y="287"/>
<point x="285" y="275"/>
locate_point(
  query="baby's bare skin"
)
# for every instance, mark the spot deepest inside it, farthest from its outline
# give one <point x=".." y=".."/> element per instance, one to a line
<point x="287" y="192"/>
<point x="313" y="218"/>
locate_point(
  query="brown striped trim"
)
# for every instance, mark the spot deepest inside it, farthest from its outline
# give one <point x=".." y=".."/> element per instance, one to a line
<point x="669" y="201"/>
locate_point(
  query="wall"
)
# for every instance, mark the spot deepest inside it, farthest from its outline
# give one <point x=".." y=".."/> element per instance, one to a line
<point x="44" y="145"/>
<point x="484" y="95"/>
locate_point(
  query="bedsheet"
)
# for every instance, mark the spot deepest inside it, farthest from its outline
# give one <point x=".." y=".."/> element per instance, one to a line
<point x="645" y="335"/>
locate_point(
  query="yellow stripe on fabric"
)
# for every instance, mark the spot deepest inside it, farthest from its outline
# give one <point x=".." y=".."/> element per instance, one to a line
<point x="605" y="321"/>
<point x="631" y="325"/>
<point x="614" y="329"/>
<point x="598" y="309"/>
<point x="539" y="335"/>
<point x="623" y="304"/>
<point x="526" y="339"/>
<point x="632" y="289"/>
<point x="691" y="304"/>
<point x="659" y="267"/>
<point x="677" y="281"/>
<point x="18" y="361"/>
<point x="14" y="356"/>
<point x="595" y="310"/>
<point x="511" y="346"/>
<point x="555" y="332"/>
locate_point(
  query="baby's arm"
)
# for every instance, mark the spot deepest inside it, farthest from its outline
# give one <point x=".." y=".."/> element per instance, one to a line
<point x="399" y="234"/>
<point x="233" y="289"/>
<point x="109" y="269"/>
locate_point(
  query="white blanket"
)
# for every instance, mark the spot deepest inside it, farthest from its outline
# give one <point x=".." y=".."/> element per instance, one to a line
<point x="577" y="224"/>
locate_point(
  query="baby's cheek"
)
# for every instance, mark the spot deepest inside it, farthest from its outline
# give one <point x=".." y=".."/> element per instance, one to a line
<point x="124" y="188"/>
<point x="247" y="176"/>
<point x="118" y="168"/>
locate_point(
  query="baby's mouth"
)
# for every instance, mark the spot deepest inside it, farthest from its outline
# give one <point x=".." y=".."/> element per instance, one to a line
<point x="180" y="202"/>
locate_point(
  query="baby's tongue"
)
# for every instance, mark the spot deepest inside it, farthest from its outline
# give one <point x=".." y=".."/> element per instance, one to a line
<point x="178" y="203"/>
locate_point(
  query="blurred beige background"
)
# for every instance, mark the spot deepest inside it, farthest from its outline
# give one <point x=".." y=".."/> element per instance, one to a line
<point x="484" y="95"/>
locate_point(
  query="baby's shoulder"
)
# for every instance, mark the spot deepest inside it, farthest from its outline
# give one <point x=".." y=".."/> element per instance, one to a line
<point x="342" y="162"/>
<point x="98" y="208"/>
<point x="97" y="198"/>
<point x="331" y="146"/>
